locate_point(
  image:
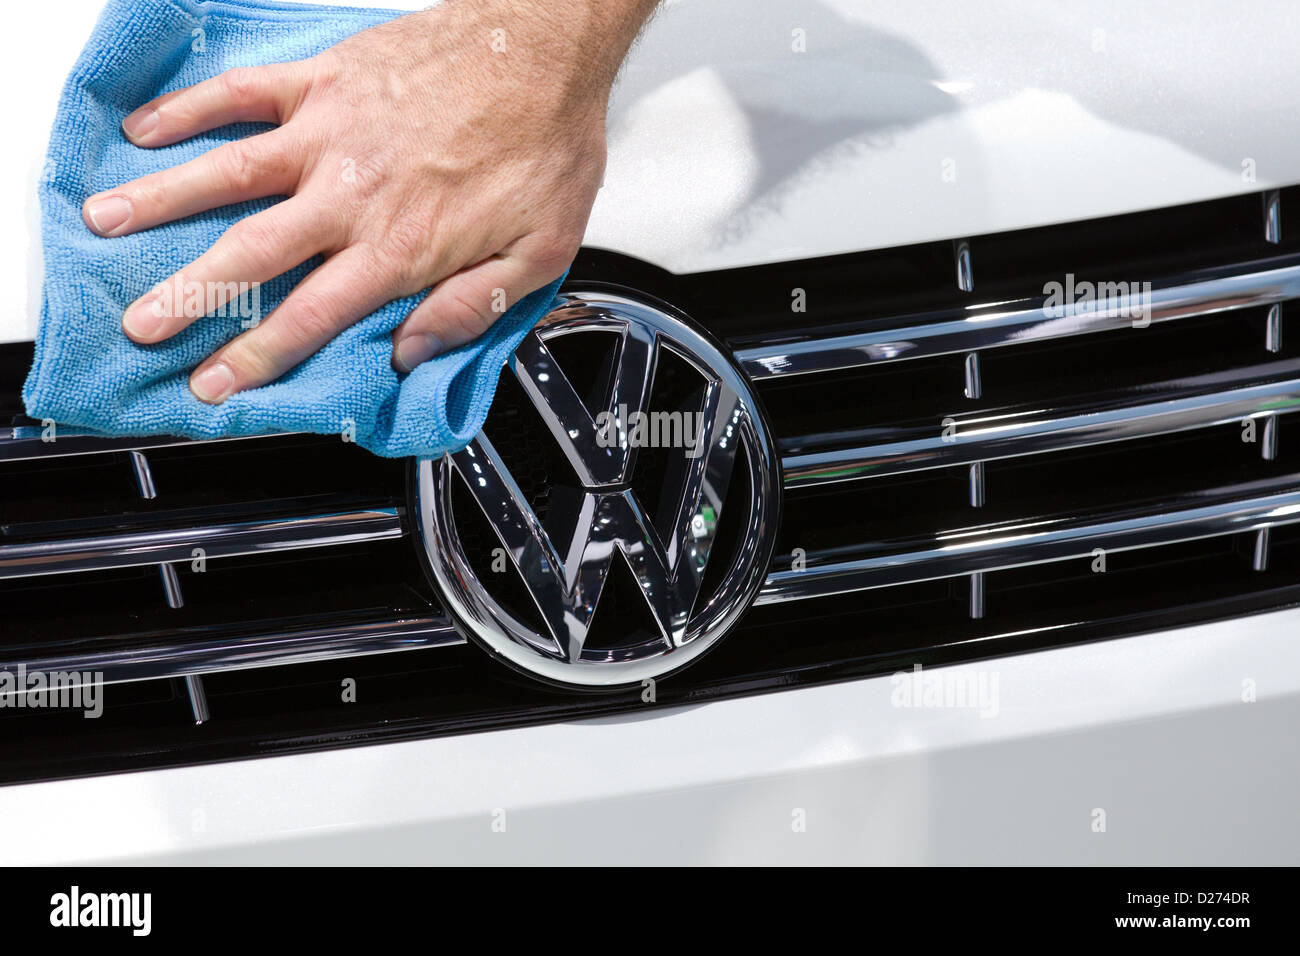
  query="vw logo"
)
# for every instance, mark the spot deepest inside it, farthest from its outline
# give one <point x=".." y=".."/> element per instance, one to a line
<point x="660" y="461"/>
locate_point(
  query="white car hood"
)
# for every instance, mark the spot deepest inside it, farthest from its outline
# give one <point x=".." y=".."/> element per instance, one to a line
<point x="752" y="131"/>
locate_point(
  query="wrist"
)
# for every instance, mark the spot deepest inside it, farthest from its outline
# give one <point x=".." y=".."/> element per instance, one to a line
<point x="601" y="32"/>
<point x="579" y="43"/>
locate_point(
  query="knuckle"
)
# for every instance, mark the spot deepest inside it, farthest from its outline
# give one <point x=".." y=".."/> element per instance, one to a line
<point x="149" y="193"/>
<point x="250" y="360"/>
<point x="405" y="256"/>
<point x="310" y="319"/>
<point x="409" y="239"/>
<point x="552" y="254"/>
<point x="241" y="84"/>
<point x="382" y="266"/>
<point x="255" y="240"/>
<point x="291" y="82"/>
<point x="468" y="312"/>
<point x="321" y="71"/>
<point x="236" y="167"/>
<point x="247" y="166"/>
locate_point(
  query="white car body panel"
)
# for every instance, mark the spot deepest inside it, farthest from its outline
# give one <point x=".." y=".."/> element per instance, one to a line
<point x="902" y="123"/>
<point x="727" y="148"/>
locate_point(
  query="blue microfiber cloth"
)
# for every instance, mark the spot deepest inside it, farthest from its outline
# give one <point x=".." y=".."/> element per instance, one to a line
<point x="88" y="374"/>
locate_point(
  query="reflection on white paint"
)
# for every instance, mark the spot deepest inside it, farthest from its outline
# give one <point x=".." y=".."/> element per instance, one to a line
<point x="681" y="164"/>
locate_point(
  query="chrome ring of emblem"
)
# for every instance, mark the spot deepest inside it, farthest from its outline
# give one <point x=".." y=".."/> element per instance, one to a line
<point x="564" y="572"/>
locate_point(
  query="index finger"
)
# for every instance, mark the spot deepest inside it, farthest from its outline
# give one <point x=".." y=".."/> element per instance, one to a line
<point x="261" y="94"/>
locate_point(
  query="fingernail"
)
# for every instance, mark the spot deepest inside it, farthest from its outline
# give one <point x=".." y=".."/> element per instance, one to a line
<point x="416" y="349"/>
<point x="214" y="384"/>
<point x="144" y="318"/>
<point x="108" y="213"/>
<point x="141" y="123"/>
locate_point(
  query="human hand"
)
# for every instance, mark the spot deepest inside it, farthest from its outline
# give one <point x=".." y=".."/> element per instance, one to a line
<point x="459" y="148"/>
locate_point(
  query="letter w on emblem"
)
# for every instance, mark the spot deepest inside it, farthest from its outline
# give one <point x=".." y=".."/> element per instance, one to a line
<point x="566" y="563"/>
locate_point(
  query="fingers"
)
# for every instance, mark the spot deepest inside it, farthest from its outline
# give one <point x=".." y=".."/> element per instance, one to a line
<point x="264" y="165"/>
<point x="254" y="250"/>
<point x="346" y="288"/>
<point x="267" y="94"/>
<point x="247" y="169"/>
<point x="463" y="306"/>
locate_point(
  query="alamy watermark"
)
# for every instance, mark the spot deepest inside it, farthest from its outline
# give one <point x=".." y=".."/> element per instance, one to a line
<point x="195" y="300"/>
<point x="623" y="429"/>
<point x="77" y="908"/>
<point x="955" y="689"/>
<point x="64" y="690"/>
<point x="1112" y="300"/>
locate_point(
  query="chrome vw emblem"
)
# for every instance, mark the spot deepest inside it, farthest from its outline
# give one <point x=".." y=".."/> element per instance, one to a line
<point x="714" y="452"/>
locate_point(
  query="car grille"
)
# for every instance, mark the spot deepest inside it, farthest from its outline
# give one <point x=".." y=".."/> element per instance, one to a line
<point x="968" y="472"/>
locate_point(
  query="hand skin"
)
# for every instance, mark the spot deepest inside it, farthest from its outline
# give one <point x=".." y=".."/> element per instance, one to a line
<point x="458" y="148"/>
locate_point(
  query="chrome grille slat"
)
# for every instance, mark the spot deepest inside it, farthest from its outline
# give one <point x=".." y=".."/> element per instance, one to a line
<point x="959" y="330"/>
<point x="27" y="443"/>
<point x="34" y="547"/>
<point x="198" y="699"/>
<point x="1003" y="548"/>
<point x="217" y="540"/>
<point x="1235" y="394"/>
<point x="171" y="581"/>
<point x="1273" y="217"/>
<point x="189" y="654"/>
<point x="1037" y="432"/>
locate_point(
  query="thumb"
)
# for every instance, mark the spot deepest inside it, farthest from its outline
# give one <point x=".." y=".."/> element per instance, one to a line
<point x="461" y="308"/>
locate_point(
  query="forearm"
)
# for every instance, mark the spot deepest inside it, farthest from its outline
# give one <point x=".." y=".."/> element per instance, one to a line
<point x="601" y="30"/>
<point x="576" y="46"/>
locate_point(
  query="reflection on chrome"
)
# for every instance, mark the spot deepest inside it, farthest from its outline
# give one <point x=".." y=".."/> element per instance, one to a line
<point x="565" y="561"/>
<point x="994" y="550"/>
<point x="1219" y="399"/>
<point x="955" y="331"/>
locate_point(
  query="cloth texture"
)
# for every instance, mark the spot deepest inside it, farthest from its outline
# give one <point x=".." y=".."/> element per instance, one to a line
<point x="88" y="374"/>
